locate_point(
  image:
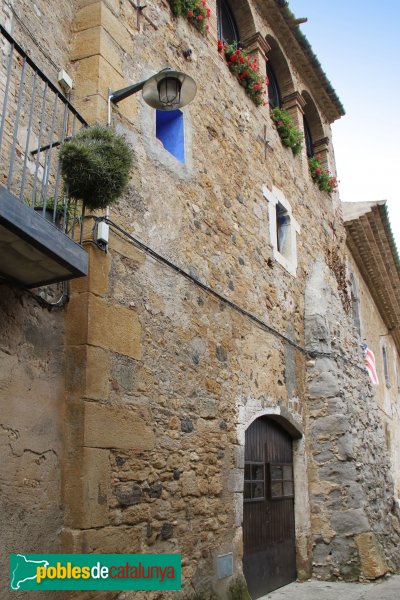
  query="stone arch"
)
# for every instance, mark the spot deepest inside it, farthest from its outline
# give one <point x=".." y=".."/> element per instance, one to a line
<point x="249" y="412"/>
<point x="281" y="415"/>
<point x="280" y="67"/>
<point x="243" y="15"/>
<point x="313" y="120"/>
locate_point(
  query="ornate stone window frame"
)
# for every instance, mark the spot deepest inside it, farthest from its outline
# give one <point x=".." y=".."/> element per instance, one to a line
<point x="287" y="257"/>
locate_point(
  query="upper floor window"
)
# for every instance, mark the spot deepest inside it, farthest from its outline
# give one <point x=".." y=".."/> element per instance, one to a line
<point x="308" y="138"/>
<point x="274" y="93"/>
<point x="227" y="28"/>
<point x="355" y="303"/>
<point x="385" y="366"/>
<point x="170" y="132"/>
<point x="283" y="229"/>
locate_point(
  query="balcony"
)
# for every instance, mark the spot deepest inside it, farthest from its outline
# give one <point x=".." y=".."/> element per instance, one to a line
<point x="40" y="226"/>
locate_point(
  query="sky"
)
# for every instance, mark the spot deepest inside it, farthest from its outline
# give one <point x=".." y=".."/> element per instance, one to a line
<point x="358" y="45"/>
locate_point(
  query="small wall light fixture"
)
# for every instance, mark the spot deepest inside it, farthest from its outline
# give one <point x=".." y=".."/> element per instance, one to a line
<point x="167" y="90"/>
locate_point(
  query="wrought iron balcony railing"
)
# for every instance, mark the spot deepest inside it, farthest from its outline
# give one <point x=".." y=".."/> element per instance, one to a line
<point x="35" y="119"/>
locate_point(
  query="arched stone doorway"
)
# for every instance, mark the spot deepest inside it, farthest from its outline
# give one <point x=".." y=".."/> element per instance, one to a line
<point x="269" y="538"/>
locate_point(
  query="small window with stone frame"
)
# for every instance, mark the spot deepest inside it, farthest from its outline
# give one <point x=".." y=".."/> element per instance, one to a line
<point x="283" y="229"/>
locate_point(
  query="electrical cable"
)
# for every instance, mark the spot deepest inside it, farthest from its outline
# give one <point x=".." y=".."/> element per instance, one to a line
<point x="158" y="257"/>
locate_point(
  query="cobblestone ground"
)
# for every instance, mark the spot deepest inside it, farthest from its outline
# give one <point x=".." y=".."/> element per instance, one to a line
<point x="386" y="589"/>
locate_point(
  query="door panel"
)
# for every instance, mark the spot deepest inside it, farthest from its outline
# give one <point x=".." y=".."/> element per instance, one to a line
<point x="269" y="560"/>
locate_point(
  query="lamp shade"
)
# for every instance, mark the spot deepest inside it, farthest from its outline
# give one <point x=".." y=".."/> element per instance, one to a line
<point x="169" y="90"/>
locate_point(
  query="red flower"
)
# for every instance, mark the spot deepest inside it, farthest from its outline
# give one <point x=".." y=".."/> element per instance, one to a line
<point x="190" y="13"/>
<point x="199" y="17"/>
<point x="233" y="58"/>
<point x="238" y="52"/>
<point x="207" y="27"/>
<point x="241" y="59"/>
<point x="220" y="45"/>
<point x="208" y="11"/>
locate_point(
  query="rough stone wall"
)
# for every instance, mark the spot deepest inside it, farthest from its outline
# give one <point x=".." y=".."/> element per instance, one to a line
<point x="162" y="378"/>
<point x="43" y="29"/>
<point x="355" y="519"/>
<point x="31" y="399"/>
<point x="32" y="385"/>
<point x="200" y="370"/>
<point x="375" y="333"/>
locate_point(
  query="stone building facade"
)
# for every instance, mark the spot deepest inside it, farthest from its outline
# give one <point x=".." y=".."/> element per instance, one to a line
<point x="125" y="412"/>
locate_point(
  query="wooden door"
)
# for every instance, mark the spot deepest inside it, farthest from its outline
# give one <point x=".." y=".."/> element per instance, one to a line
<point x="269" y="559"/>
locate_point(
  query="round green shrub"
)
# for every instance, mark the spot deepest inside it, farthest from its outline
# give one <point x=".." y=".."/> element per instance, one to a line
<point x="95" y="166"/>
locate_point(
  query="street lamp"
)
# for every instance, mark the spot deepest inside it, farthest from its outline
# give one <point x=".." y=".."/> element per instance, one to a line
<point x="167" y="90"/>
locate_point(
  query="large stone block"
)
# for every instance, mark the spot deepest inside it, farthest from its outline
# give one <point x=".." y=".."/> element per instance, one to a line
<point x="114" y="5"/>
<point x="98" y="14"/>
<point x="88" y="370"/>
<point x="349" y="522"/>
<point x="92" y="108"/>
<point x="111" y="426"/>
<point x="330" y="425"/>
<point x="96" y="40"/>
<point x="339" y="472"/>
<point x="106" y="540"/>
<point x="324" y="385"/>
<point x="373" y="563"/>
<point x="96" y="280"/>
<point x="87" y="489"/>
<point x="92" y="320"/>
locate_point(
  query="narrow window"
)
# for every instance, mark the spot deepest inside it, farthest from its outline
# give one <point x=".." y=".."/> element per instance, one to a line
<point x="355" y="304"/>
<point x="170" y="132"/>
<point x="308" y="138"/>
<point x="227" y="28"/>
<point x="274" y="93"/>
<point x="385" y="366"/>
<point x="254" y="481"/>
<point x="282" y="230"/>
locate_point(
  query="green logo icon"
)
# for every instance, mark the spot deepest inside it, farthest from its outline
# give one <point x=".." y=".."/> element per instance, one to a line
<point x="95" y="571"/>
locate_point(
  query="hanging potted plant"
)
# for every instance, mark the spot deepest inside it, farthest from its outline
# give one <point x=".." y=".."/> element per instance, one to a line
<point x="95" y="166"/>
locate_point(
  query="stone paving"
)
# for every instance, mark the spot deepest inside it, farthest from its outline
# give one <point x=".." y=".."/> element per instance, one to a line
<point x="385" y="589"/>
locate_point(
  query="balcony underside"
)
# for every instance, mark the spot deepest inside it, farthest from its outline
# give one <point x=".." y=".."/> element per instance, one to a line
<point x="33" y="251"/>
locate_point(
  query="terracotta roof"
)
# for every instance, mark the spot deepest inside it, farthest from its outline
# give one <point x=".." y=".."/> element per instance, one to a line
<point x="372" y="245"/>
<point x="286" y="26"/>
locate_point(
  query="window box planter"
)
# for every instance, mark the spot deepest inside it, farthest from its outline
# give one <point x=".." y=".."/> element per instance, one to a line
<point x="322" y="177"/>
<point x="247" y="72"/>
<point x="290" y="136"/>
<point x="196" y="11"/>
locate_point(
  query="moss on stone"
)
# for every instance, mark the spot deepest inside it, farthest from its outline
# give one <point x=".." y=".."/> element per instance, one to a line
<point x="238" y="590"/>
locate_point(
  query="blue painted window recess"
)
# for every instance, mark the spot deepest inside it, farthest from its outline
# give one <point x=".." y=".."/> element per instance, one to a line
<point x="170" y="132"/>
